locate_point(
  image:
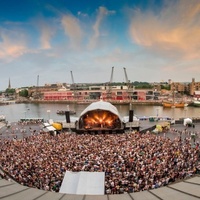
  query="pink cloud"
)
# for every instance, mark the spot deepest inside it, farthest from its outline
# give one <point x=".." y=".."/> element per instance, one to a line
<point x="12" y="46"/>
<point x="47" y="33"/>
<point x="102" y="13"/>
<point x="174" y="32"/>
<point x="72" y="30"/>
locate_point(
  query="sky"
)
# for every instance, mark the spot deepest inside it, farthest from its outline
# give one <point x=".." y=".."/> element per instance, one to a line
<point x="154" y="40"/>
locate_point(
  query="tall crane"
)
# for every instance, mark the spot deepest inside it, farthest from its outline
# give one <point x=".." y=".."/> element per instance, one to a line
<point x="37" y="89"/>
<point x="73" y="86"/>
<point x="129" y="87"/>
<point x="109" y="89"/>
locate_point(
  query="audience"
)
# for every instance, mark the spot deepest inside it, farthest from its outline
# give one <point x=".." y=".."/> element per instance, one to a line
<point x="132" y="162"/>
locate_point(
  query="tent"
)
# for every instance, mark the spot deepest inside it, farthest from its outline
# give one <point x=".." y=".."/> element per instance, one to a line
<point x="48" y="128"/>
<point x="159" y="127"/>
<point x="57" y="126"/>
<point x="100" y="115"/>
<point x="187" y="121"/>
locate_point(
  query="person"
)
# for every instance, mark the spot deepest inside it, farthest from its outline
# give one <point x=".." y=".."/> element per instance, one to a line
<point x="131" y="162"/>
<point x="193" y="137"/>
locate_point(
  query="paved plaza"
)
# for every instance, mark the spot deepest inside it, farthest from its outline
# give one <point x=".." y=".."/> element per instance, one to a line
<point x="19" y="131"/>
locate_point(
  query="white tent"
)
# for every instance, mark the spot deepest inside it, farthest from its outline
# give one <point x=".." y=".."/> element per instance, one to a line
<point x="101" y="105"/>
<point x="187" y="121"/>
<point x="49" y="128"/>
<point x="125" y="119"/>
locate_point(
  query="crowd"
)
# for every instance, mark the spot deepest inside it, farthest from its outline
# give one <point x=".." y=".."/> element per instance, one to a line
<point x="30" y="121"/>
<point x="132" y="162"/>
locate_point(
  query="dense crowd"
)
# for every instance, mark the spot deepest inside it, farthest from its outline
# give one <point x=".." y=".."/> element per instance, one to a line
<point x="131" y="162"/>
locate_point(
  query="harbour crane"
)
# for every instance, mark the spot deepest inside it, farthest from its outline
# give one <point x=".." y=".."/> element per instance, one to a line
<point x="73" y="86"/>
<point x="37" y="95"/>
<point x="109" y="89"/>
<point x="129" y="87"/>
<point x="37" y="80"/>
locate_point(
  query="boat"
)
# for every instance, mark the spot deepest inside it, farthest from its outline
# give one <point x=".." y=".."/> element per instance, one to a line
<point x="162" y="119"/>
<point x="62" y="112"/>
<point x="196" y="103"/>
<point x="174" y="104"/>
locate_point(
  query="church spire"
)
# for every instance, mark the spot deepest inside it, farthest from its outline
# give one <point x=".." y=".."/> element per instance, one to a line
<point x="9" y="85"/>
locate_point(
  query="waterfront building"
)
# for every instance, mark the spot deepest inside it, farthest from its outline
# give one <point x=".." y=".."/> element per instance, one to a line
<point x="189" y="88"/>
<point x="117" y="93"/>
<point x="194" y="86"/>
<point x="179" y="87"/>
<point x="111" y="92"/>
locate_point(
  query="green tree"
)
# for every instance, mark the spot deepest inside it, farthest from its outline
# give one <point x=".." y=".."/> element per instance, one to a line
<point x="10" y="91"/>
<point x="166" y="87"/>
<point x="23" y="93"/>
<point x="142" y="85"/>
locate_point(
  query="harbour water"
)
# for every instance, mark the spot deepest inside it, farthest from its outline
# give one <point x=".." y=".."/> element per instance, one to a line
<point x="14" y="112"/>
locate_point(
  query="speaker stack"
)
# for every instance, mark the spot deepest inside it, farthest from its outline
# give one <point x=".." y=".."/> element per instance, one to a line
<point x="131" y="115"/>
<point x="67" y="116"/>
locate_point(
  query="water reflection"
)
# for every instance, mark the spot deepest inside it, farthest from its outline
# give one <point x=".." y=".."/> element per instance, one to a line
<point x="14" y="112"/>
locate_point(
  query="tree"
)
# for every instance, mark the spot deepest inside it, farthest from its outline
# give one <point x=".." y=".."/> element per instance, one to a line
<point x="23" y="93"/>
<point x="10" y="91"/>
<point x="166" y="87"/>
<point x="142" y="85"/>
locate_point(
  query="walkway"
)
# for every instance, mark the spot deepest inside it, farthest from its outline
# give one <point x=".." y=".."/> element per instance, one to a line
<point x="186" y="190"/>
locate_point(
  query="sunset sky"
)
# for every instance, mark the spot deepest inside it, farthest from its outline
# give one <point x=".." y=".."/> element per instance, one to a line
<point x="155" y="40"/>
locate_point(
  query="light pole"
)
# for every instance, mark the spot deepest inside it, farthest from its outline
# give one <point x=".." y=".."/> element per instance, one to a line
<point x="67" y="107"/>
<point x="24" y="114"/>
<point x="157" y="109"/>
<point x="48" y="111"/>
<point x="185" y="111"/>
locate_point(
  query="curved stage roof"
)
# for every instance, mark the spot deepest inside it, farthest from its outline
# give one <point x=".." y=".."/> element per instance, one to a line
<point x="101" y="105"/>
<point x="100" y="116"/>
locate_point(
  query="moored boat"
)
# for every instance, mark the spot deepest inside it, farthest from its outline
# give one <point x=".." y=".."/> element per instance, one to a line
<point x="174" y="105"/>
<point x="62" y="112"/>
<point x="196" y="103"/>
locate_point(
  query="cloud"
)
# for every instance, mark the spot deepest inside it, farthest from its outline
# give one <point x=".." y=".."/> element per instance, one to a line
<point x="72" y="30"/>
<point x="12" y="44"/>
<point x="79" y="13"/>
<point x="173" y="32"/>
<point x="47" y="33"/>
<point x="102" y="12"/>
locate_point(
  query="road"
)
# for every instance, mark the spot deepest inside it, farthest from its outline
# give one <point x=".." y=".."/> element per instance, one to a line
<point x="19" y="131"/>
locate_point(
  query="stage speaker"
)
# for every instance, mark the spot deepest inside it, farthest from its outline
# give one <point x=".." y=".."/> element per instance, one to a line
<point x="130" y="115"/>
<point x="67" y="116"/>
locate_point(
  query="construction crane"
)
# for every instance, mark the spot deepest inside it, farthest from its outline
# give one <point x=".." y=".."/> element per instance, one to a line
<point x="109" y="88"/>
<point x="129" y="87"/>
<point x="37" y="95"/>
<point x="73" y="86"/>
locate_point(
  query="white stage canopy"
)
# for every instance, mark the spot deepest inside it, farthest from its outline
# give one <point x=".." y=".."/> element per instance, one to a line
<point x="89" y="183"/>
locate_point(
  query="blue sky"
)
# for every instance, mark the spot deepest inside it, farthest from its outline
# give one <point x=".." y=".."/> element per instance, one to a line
<point x="155" y="40"/>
